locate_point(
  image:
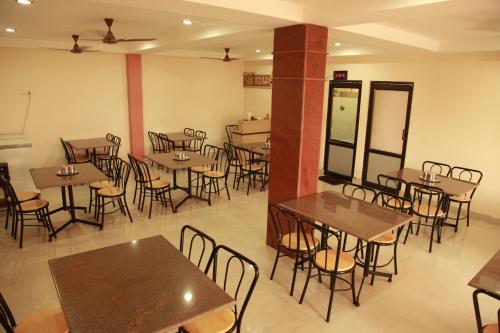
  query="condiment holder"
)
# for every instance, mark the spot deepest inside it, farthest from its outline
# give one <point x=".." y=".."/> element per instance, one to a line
<point x="429" y="177"/>
<point x="267" y="145"/>
<point x="67" y="170"/>
<point x="181" y="156"/>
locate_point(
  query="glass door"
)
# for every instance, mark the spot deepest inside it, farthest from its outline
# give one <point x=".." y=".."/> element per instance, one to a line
<point x="342" y="129"/>
<point x="387" y="129"/>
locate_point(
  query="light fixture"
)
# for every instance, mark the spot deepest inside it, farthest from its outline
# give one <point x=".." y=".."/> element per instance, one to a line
<point x="24" y="2"/>
<point x="10" y="30"/>
<point x="337" y="44"/>
<point x="187" y="21"/>
<point x="188" y="296"/>
<point x="258" y="50"/>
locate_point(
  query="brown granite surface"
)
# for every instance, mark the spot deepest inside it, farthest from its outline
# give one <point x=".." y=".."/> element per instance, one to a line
<point x="488" y="278"/>
<point x="167" y="160"/>
<point x="355" y="217"/>
<point x="46" y="177"/>
<point x="90" y="143"/>
<point x="450" y="186"/>
<point x="140" y="286"/>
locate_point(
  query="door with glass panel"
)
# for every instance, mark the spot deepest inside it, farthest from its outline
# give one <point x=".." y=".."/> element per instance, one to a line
<point x="387" y="129"/>
<point x="342" y="129"/>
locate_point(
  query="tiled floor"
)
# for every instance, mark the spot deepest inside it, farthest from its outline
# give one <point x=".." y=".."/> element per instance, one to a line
<point x="430" y="294"/>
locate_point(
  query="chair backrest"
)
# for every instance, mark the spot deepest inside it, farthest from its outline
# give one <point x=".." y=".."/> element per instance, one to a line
<point x="389" y="200"/>
<point x="164" y="143"/>
<point x="68" y="151"/>
<point x="133" y="164"/>
<point x="223" y="160"/>
<point x="122" y="172"/>
<point x="392" y="185"/>
<point x="441" y="169"/>
<point x="200" y="140"/>
<point x="243" y="155"/>
<point x="211" y="151"/>
<point x="229" y="131"/>
<point x="116" y="147"/>
<point x="155" y="141"/>
<point x="110" y="136"/>
<point x="232" y="268"/>
<point x="6" y="318"/>
<point x="144" y="173"/>
<point x="333" y="239"/>
<point x="198" y="244"/>
<point x="426" y="200"/>
<point x="468" y="175"/>
<point x="358" y="192"/>
<point x="9" y="192"/>
<point x="189" y="131"/>
<point x="285" y="223"/>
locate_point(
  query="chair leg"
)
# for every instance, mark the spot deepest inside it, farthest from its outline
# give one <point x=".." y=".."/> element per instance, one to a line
<point x="309" y="269"/>
<point x="151" y="203"/>
<point x="458" y="216"/>
<point x="375" y="263"/>
<point x="135" y="193"/>
<point x="396" y="259"/>
<point x="410" y="227"/>
<point x="227" y="189"/>
<point x="275" y="263"/>
<point x="295" y="265"/>
<point x="432" y="235"/>
<point x="103" y="207"/>
<point x="468" y="212"/>
<point x="22" y="232"/>
<point x="171" y="202"/>
<point x="126" y="208"/>
<point x="333" y="279"/>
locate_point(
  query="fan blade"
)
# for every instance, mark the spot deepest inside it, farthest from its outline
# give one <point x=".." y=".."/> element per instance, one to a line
<point x="83" y="50"/>
<point x="134" y="39"/>
<point x="55" y="49"/>
<point x="220" y="59"/>
<point x="236" y="59"/>
<point x="92" y="39"/>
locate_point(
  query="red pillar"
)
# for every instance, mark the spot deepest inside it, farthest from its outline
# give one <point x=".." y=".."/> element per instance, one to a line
<point x="135" y="117"/>
<point x="299" y="61"/>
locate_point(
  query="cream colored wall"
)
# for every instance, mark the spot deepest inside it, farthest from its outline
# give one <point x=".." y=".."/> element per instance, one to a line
<point x="257" y="100"/>
<point x="72" y="96"/>
<point x="455" y="111"/>
<point x="196" y="93"/>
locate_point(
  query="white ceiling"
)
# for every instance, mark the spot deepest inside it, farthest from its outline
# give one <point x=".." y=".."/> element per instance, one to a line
<point x="362" y="26"/>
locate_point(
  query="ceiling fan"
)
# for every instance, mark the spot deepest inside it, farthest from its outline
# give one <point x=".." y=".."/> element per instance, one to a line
<point x="225" y="59"/>
<point x="77" y="49"/>
<point x="109" y="37"/>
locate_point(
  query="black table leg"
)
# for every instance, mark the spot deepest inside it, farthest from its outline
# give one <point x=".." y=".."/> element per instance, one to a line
<point x="366" y="269"/>
<point x="188" y="190"/>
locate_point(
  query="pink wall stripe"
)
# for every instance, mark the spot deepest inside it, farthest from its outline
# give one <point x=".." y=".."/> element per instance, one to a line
<point x="135" y="114"/>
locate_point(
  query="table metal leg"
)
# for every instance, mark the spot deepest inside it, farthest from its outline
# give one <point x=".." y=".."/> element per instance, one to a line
<point x="188" y="190"/>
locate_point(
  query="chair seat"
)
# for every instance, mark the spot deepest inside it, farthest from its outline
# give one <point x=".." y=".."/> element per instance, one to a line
<point x="491" y="328"/>
<point x="218" y="322"/>
<point x="425" y="210"/>
<point x="32" y="205"/>
<point x="290" y="241"/>
<point x="252" y="167"/>
<point x="156" y="184"/>
<point x="26" y="196"/>
<point x="393" y="203"/>
<point x="460" y="198"/>
<point x="101" y="184"/>
<point x="346" y="262"/>
<point x="49" y="320"/>
<point x="387" y="238"/>
<point x="153" y="177"/>
<point x="214" y="174"/>
<point x="201" y="168"/>
<point x="110" y="191"/>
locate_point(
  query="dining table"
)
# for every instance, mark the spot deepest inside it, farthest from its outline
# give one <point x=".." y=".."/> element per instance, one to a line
<point x="170" y="161"/>
<point x="179" y="137"/>
<point x="144" y="285"/>
<point x="91" y="144"/>
<point x="353" y="216"/>
<point x="47" y="177"/>
<point x="486" y="281"/>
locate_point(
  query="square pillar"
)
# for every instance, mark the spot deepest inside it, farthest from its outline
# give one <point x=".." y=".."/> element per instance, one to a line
<point x="299" y="62"/>
<point x="135" y="113"/>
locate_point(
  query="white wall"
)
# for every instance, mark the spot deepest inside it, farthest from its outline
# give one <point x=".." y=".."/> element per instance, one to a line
<point x="72" y="96"/>
<point x="201" y="94"/>
<point x="257" y="100"/>
<point x="455" y="111"/>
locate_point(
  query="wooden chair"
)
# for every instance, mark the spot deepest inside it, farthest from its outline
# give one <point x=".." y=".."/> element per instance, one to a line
<point x="397" y="203"/>
<point x="224" y="264"/>
<point x="219" y="172"/>
<point x="489" y="328"/>
<point x="104" y="161"/>
<point x="186" y="145"/>
<point x="211" y="152"/>
<point x="439" y="168"/>
<point x="197" y="143"/>
<point x="31" y="210"/>
<point x="248" y="167"/>
<point x="427" y="203"/>
<point x="468" y="175"/>
<point x="199" y="245"/>
<point x="329" y="260"/>
<point x="50" y="320"/>
<point x="116" y="193"/>
<point x="72" y="157"/>
<point x="235" y="164"/>
<point x="154" y="189"/>
<point x="290" y="240"/>
<point x="138" y="183"/>
<point x="10" y="208"/>
<point x="155" y="142"/>
<point x="104" y="150"/>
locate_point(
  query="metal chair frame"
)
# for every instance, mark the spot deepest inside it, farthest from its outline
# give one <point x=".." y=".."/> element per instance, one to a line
<point x="441" y="169"/>
<point x="197" y="236"/>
